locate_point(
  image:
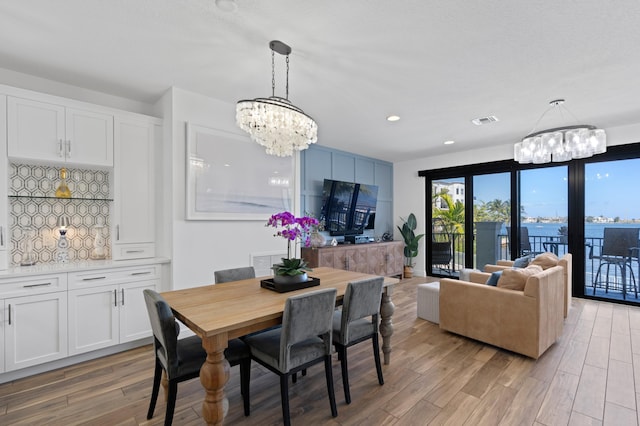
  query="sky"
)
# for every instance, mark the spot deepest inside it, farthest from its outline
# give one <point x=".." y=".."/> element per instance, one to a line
<point x="611" y="189"/>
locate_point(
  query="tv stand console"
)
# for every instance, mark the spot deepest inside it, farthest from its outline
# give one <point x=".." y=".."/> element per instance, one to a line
<point x="385" y="258"/>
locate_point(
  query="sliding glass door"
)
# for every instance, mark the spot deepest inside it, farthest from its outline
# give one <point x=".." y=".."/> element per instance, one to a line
<point x="491" y="218"/>
<point x="543" y="211"/>
<point x="611" y="229"/>
<point x="446" y="244"/>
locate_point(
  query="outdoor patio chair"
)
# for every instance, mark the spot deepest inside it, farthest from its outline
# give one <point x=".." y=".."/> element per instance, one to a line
<point x="619" y="248"/>
<point x="525" y="242"/>
<point x="441" y="246"/>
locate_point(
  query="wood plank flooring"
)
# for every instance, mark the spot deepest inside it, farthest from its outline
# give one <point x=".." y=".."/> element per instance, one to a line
<point x="587" y="378"/>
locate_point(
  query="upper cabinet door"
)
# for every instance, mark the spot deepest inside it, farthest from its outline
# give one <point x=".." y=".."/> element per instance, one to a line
<point x="47" y="132"/>
<point x="35" y="130"/>
<point x="133" y="225"/>
<point x="89" y="138"/>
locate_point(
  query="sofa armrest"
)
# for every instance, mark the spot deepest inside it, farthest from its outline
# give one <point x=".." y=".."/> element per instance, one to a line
<point x="499" y="266"/>
<point x="494" y="268"/>
<point x="478" y="277"/>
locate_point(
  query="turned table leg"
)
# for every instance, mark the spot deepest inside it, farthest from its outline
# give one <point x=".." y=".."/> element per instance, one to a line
<point x="386" y="325"/>
<point x="214" y="374"/>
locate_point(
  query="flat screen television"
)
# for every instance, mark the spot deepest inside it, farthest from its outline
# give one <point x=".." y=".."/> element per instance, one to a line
<point x="348" y="208"/>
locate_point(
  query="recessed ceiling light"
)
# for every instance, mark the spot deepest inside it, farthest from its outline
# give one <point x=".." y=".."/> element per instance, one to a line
<point x="449" y="142"/>
<point x="485" y="120"/>
<point x="393" y="118"/>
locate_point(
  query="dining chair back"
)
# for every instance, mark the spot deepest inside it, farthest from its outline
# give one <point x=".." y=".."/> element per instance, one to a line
<point x="356" y="322"/>
<point x="181" y="359"/>
<point x="303" y="340"/>
<point x="234" y="274"/>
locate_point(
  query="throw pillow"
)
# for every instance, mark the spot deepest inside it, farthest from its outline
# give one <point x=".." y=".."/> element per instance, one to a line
<point x="515" y="279"/>
<point x="545" y="260"/>
<point x="493" y="279"/>
<point x="522" y="262"/>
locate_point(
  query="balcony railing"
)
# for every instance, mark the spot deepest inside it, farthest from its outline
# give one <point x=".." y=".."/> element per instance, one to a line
<point x="540" y="244"/>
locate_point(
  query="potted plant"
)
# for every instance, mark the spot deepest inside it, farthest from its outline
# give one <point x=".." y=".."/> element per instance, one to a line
<point x="411" y="241"/>
<point x="294" y="229"/>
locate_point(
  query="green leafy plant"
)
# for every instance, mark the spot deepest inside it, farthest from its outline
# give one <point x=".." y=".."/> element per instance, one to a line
<point x="291" y="267"/>
<point x="411" y="240"/>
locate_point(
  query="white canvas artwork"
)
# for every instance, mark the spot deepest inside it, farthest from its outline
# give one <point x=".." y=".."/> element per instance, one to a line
<point x="230" y="177"/>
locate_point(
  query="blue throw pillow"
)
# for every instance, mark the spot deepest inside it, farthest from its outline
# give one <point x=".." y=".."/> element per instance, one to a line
<point x="522" y="262"/>
<point x="493" y="279"/>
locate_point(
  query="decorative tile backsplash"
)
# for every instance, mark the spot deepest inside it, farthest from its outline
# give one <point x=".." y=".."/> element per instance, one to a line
<point x="30" y="209"/>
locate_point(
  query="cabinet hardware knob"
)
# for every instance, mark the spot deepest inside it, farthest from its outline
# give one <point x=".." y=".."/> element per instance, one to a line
<point x="122" y="291"/>
<point x="9" y="313"/>
<point x="1" y="237"/>
<point x="68" y="148"/>
<point x="115" y="298"/>
<point x="60" y="151"/>
<point x="93" y="278"/>
<point x="141" y="273"/>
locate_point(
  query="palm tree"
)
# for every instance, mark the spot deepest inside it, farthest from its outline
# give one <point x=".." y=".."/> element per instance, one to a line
<point x="495" y="211"/>
<point x="453" y="215"/>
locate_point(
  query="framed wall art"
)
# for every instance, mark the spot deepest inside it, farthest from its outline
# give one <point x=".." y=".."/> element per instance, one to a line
<point x="230" y="177"/>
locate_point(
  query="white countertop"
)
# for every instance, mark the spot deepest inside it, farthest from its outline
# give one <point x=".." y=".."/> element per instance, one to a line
<point x="85" y="265"/>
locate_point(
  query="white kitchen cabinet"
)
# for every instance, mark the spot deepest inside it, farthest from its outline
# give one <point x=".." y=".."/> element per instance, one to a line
<point x="53" y="133"/>
<point x="34" y="320"/>
<point x="134" y="319"/>
<point x="106" y="307"/>
<point x="93" y="319"/>
<point x="4" y="205"/>
<point x="133" y="223"/>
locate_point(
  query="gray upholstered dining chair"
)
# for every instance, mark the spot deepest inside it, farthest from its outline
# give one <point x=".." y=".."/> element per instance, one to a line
<point x="181" y="359"/>
<point x="303" y="340"/>
<point x="234" y="274"/>
<point x="357" y="322"/>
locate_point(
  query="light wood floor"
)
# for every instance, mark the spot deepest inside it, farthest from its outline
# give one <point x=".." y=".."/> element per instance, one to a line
<point x="587" y="378"/>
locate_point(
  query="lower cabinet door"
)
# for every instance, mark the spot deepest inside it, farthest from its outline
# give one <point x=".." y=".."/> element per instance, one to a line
<point x="134" y="319"/>
<point x="35" y="329"/>
<point x="93" y="318"/>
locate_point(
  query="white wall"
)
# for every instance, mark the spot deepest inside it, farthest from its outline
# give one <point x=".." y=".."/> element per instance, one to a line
<point x="200" y="247"/>
<point x="409" y="189"/>
<point x="30" y="82"/>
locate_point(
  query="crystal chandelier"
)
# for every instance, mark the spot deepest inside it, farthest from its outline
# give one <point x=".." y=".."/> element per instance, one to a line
<point x="274" y="122"/>
<point x="560" y="143"/>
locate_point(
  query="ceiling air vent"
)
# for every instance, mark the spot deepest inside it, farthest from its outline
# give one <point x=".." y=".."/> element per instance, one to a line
<point x="484" y="120"/>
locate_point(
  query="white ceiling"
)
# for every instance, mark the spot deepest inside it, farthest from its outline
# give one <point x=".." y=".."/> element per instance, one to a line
<point x="437" y="64"/>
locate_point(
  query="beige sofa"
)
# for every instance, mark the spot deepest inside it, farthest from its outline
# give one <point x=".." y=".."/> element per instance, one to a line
<point x="527" y="322"/>
<point x="566" y="263"/>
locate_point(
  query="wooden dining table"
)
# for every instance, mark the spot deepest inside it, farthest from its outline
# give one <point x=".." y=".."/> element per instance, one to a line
<point x="220" y="312"/>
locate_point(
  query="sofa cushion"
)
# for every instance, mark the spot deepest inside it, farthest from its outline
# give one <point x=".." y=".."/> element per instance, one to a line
<point x="545" y="260"/>
<point x="493" y="279"/>
<point x="522" y="262"/>
<point x="516" y="278"/>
